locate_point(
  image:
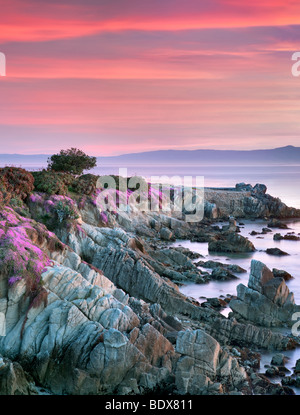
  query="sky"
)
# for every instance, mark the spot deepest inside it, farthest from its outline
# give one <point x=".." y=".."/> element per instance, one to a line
<point x="123" y="76"/>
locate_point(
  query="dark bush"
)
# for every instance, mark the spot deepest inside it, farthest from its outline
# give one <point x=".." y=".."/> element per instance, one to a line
<point x="72" y="161"/>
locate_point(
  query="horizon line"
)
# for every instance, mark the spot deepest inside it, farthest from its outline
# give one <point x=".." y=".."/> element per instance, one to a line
<point x="158" y="150"/>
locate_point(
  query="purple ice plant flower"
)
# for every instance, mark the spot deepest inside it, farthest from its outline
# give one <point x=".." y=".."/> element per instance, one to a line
<point x="13" y="280"/>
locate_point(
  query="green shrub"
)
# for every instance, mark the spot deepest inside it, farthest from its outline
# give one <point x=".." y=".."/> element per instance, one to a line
<point x="53" y="183"/>
<point x="17" y="182"/>
<point x="85" y="184"/>
<point x="72" y="161"/>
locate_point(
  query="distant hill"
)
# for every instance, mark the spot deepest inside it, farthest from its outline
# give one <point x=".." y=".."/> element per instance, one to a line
<point x="288" y="155"/>
<point x="282" y="155"/>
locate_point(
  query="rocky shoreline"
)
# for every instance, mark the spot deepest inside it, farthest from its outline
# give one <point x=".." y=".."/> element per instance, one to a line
<point x="96" y="308"/>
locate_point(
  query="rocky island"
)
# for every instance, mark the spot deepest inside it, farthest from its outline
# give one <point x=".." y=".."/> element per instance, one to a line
<point x="91" y="304"/>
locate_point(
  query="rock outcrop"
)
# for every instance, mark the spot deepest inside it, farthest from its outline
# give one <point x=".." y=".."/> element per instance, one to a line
<point x="230" y="242"/>
<point x="266" y="301"/>
<point x="203" y="363"/>
<point x="92" y="307"/>
<point x="246" y="201"/>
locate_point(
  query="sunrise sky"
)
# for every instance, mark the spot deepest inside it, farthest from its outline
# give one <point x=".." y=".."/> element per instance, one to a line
<point x="121" y="76"/>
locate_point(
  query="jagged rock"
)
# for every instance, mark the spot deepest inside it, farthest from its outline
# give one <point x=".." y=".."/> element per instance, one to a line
<point x="216" y="264"/>
<point x="297" y="367"/>
<point x="187" y="252"/>
<point x="202" y="362"/>
<point x="14" y="381"/>
<point x="259" y="189"/>
<point x="94" y="338"/>
<point x="222" y="274"/>
<point x="266" y="301"/>
<point x="214" y="302"/>
<point x="279" y="273"/>
<point x="263" y="386"/>
<point x="230" y="331"/>
<point x="230" y="242"/>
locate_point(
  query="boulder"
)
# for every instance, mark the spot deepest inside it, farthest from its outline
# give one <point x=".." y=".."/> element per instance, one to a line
<point x="278" y="360"/>
<point x="202" y="363"/>
<point x="215" y="264"/>
<point x="166" y="234"/>
<point x="259" y="275"/>
<point x="276" y="223"/>
<point x="297" y="367"/>
<point x="276" y="252"/>
<point x="288" y="237"/>
<point x="230" y="242"/>
<point x="280" y="273"/>
<point x="222" y="274"/>
<point x="266" y="301"/>
<point x="259" y="189"/>
<point x="14" y="380"/>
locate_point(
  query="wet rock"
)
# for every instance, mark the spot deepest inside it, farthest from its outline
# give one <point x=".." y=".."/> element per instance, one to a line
<point x="263" y="386"/>
<point x="297" y="367"/>
<point x="215" y="303"/>
<point x="230" y="242"/>
<point x="266" y="301"/>
<point x="186" y="251"/>
<point x="276" y="252"/>
<point x="222" y="274"/>
<point x="215" y="264"/>
<point x="266" y="230"/>
<point x="279" y="273"/>
<point x="230" y="331"/>
<point x="250" y="358"/>
<point x="272" y="371"/>
<point x="288" y="381"/>
<point x="288" y="237"/>
<point x="278" y="360"/>
<point x="275" y="223"/>
<point x="14" y="380"/>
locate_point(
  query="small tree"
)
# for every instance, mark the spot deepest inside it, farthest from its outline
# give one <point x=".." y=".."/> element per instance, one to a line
<point x="72" y="161"/>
